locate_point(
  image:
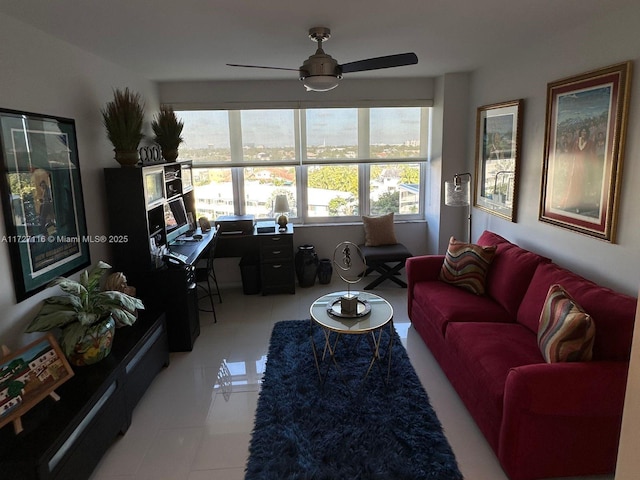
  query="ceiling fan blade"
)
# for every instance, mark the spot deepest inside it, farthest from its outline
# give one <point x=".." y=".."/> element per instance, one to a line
<point x="259" y="66"/>
<point x="377" y="63"/>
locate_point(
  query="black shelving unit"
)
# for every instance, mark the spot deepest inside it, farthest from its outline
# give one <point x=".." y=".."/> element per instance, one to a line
<point x="136" y="199"/>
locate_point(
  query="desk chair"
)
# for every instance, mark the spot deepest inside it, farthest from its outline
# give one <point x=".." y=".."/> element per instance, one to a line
<point x="206" y="273"/>
<point x="382" y="251"/>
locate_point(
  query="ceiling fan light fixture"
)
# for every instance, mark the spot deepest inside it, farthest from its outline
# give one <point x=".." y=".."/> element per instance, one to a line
<point x="320" y="83"/>
<point x="321" y="72"/>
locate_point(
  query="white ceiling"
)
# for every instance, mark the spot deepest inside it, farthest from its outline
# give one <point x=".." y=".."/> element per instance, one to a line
<point x="194" y="39"/>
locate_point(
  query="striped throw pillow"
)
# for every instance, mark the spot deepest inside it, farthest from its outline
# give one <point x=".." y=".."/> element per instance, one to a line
<point x="566" y="333"/>
<point x="466" y="265"/>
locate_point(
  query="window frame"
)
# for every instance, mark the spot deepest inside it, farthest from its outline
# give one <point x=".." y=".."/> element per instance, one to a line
<point x="302" y="164"/>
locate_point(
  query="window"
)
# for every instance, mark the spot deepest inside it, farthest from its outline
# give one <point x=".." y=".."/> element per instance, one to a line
<point x="394" y="187"/>
<point x="332" y="134"/>
<point x="332" y="191"/>
<point x="262" y="184"/>
<point x="334" y="164"/>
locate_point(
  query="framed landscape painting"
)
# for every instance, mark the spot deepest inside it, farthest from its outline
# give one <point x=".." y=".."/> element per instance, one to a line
<point x="586" y="123"/>
<point x="498" y="145"/>
<point x="41" y="199"/>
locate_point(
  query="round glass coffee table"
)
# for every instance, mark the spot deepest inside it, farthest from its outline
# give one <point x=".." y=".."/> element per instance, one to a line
<point x="374" y="315"/>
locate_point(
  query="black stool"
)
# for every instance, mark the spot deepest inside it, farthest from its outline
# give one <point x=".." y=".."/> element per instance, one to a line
<point x="378" y="259"/>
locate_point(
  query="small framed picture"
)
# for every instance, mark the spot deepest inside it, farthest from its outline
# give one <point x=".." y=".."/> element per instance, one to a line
<point x="498" y="145"/>
<point x="29" y="375"/>
<point x="585" y="132"/>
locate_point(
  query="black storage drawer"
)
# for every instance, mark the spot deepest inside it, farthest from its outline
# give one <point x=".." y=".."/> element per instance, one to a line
<point x="279" y="243"/>
<point x="276" y="252"/>
<point x="277" y="277"/>
<point x="141" y="369"/>
<point x="96" y="433"/>
<point x="277" y="271"/>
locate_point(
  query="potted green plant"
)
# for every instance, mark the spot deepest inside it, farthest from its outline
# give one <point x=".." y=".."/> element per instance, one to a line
<point x="168" y="132"/>
<point x="87" y="316"/>
<point x="123" y="117"/>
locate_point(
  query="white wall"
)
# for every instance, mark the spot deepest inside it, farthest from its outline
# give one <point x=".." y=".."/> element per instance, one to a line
<point x="448" y="157"/>
<point x="607" y="41"/>
<point x="41" y="74"/>
<point x="291" y="93"/>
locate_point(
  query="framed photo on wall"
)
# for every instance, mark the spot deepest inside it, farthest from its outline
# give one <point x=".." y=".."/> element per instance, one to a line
<point x="42" y="199"/>
<point x="586" y="123"/>
<point x="498" y="145"/>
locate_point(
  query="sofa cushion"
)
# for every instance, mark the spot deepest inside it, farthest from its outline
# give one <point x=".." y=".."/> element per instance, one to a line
<point x="443" y="303"/>
<point x="466" y="265"/>
<point x="510" y="272"/>
<point x="490" y="238"/>
<point x="613" y="313"/>
<point x="566" y="332"/>
<point x="379" y="230"/>
<point x="486" y="353"/>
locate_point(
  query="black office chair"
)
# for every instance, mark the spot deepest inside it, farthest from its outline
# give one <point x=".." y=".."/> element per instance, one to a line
<point x="205" y="273"/>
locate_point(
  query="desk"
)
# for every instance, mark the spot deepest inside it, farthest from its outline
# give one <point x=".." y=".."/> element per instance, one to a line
<point x="242" y="245"/>
<point x="194" y="250"/>
<point x="272" y="251"/>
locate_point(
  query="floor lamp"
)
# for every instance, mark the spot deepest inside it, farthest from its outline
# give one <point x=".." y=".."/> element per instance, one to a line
<point x="458" y="194"/>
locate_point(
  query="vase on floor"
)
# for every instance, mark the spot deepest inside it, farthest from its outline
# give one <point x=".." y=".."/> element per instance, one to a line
<point x="325" y="270"/>
<point x="306" y="263"/>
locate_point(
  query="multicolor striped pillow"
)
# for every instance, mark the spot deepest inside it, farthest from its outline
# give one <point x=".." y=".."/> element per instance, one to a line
<point x="466" y="265"/>
<point x="566" y="333"/>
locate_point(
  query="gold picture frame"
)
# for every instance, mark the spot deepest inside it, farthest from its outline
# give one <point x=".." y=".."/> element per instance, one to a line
<point x="498" y="146"/>
<point x="586" y="120"/>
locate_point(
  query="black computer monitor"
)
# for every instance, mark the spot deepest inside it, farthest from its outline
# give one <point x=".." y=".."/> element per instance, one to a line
<point x="175" y="219"/>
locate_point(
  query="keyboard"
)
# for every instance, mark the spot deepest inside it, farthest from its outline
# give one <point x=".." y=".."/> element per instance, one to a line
<point x="183" y="258"/>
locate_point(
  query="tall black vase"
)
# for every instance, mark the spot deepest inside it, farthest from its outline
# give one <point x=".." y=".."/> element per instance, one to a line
<point x="306" y="262"/>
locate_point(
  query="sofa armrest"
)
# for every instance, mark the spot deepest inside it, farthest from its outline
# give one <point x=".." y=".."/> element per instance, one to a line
<point x="420" y="269"/>
<point x="423" y="268"/>
<point x="571" y="388"/>
<point x="562" y="419"/>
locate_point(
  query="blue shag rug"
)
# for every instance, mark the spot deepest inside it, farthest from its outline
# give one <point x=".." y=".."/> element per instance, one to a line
<point x="348" y="429"/>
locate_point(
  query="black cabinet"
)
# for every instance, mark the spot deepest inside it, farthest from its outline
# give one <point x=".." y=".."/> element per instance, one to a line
<point x="277" y="272"/>
<point x="175" y="291"/>
<point x="65" y="440"/>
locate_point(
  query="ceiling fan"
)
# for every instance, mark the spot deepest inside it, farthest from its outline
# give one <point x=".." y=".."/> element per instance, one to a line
<point x="321" y="72"/>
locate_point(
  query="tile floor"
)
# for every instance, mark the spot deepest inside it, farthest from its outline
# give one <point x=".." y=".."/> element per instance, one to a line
<point x="195" y="421"/>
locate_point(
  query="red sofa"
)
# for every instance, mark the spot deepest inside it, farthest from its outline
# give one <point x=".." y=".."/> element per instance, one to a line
<point x="541" y="419"/>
